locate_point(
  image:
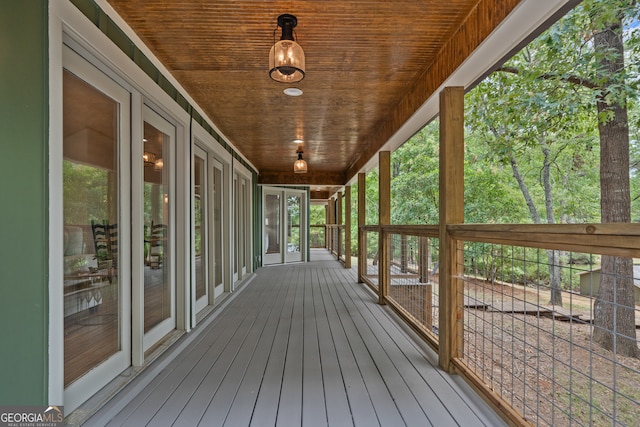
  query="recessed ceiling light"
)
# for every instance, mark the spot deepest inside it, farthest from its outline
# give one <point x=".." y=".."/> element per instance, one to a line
<point x="298" y="141"/>
<point x="292" y="91"/>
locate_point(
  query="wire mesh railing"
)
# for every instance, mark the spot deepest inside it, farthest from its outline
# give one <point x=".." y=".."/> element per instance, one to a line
<point x="317" y="236"/>
<point x="368" y="255"/>
<point x="413" y="284"/>
<point x="529" y="334"/>
<point x="336" y="240"/>
<point x="545" y="317"/>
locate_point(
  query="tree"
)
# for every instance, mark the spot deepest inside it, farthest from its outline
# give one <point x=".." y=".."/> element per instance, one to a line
<point x="530" y="125"/>
<point x="414" y="180"/>
<point x="614" y="309"/>
<point x="585" y="51"/>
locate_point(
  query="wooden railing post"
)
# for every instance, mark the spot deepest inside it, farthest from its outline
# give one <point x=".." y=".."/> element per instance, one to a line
<point x="384" y="218"/>
<point x="362" y="220"/>
<point x="427" y="295"/>
<point x="404" y="254"/>
<point x="332" y="207"/>
<point x="451" y="212"/>
<point x="347" y="226"/>
<point x="326" y="225"/>
<point x="423" y="259"/>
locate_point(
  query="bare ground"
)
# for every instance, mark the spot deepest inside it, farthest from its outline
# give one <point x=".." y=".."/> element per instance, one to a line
<point x="543" y="363"/>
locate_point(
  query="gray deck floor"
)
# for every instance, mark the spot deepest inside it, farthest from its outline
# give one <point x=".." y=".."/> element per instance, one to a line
<point x="301" y="345"/>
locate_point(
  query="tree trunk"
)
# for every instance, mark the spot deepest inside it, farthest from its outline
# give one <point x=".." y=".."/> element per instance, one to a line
<point x="614" y="316"/>
<point x="552" y="256"/>
<point x="555" y="272"/>
<point x="523" y="188"/>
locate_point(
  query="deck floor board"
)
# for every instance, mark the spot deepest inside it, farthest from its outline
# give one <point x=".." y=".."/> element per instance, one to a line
<point x="302" y="345"/>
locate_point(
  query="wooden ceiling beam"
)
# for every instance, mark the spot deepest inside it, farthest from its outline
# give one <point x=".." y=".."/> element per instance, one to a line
<point x="309" y="178"/>
<point x="316" y="195"/>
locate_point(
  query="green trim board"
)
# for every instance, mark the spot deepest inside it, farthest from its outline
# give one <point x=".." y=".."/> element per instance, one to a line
<point x="109" y="28"/>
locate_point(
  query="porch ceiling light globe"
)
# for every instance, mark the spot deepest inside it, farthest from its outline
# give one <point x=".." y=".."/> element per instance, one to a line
<point x="300" y="166"/>
<point x="286" y="58"/>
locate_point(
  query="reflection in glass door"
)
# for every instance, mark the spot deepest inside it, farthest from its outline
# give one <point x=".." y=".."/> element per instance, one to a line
<point x="96" y="303"/>
<point x="294" y="231"/>
<point x="159" y="286"/>
<point x="244" y="225"/>
<point x="241" y="219"/>
<point x="218" y="191"/>
<point x="271" y="252"/>
<point x="236" y="226"/>
<point x="201" y="229"/>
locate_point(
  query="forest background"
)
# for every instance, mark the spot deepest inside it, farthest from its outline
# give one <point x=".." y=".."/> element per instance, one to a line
<point x="552" y="136"/>
<point x="521" y="123"/>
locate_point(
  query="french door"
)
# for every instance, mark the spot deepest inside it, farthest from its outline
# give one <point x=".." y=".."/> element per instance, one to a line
<point x="283" y="225"/>
<point x="294" y="230"/>
<point x="272" y="247"/>
<point x="158" y="206"/>
<point x="218" y="228"/>
<point x="202" y="230"/>
<point x="95" y="158"/>
<point x="208" y="228"/>
<point x="241" y="219"/>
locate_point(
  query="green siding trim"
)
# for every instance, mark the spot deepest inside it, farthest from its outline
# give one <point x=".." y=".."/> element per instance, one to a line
<point x="24" y="306"/>
<point x="103" y="22"/>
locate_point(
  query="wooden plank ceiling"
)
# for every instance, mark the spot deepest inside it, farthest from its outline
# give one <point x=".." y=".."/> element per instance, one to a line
<point x="369" y="66"/>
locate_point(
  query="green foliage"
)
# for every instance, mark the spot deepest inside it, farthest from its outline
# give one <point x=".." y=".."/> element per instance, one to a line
<point x="414" y="183"/>
<point x="372" y="197"/>
<point x="86" y="193"/>
<point x="317" y="214"/>
<point x="536" y="117"/>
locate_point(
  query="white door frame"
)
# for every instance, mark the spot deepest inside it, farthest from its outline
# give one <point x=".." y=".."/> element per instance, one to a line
<point x="206" y="232"/>
<point x="167" y="325"/>
<point x="241" y="176"/>
<point x="218" y="158"/>
<point x="283" y="256"/>
<point x="102" y="374"/>
<point x="218" y="288"/>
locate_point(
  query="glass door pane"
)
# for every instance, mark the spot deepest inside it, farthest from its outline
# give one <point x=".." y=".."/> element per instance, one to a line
<point x="272" y="251"/>
<point x="244" y="225"/>
<point x="294" y="231"/>
<point x="200" y="238"/>
<point x="217" y="227"/>
<point x="92" y="303"/>
<point x="159" y="289"/>
<point x="236" y="226"/>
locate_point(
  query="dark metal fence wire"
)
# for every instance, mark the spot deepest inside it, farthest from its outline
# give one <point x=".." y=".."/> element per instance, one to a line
<point x="541" y="356"/>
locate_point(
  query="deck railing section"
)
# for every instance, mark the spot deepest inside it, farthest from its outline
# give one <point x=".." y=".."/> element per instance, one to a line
<point x="336" y="239"/>
<point x="317" y="235"/>
<point x="532" y="358"/>
<point x="368" y="255"/>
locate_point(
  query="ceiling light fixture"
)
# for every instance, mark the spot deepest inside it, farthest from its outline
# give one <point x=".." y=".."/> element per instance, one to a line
<point x="286" y="58"/>
<point x="292" y="91"/>
<point x="300" y="166"/>
<point x="149" y="158"/>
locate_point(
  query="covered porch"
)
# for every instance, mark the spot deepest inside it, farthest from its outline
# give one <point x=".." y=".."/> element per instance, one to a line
<point x="302" y="344"/>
